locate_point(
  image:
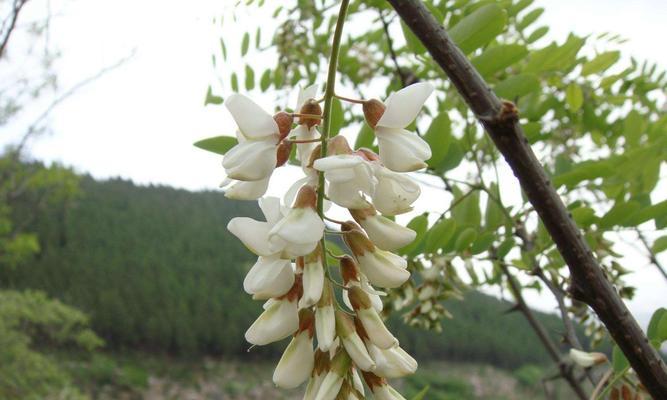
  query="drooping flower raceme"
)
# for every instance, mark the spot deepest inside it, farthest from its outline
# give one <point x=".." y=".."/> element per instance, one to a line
<point x="329" y="347"/>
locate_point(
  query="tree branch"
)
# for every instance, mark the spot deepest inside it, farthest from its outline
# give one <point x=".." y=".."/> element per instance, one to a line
<point x="16" y="9"/>
<point x="500" y="119"/>
<point x="651" y="256"/>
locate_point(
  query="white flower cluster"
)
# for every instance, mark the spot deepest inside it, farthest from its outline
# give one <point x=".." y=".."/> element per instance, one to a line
<point x="290" y="272"/>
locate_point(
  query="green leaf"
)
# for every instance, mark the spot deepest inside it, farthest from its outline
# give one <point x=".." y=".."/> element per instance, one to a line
<point x="655" y="211"/>
<point x="465" y="239"/>
<point x="265" y="80"/>
<point x="497" y="58"/>
<point x="505" y="247"/>
<point x="217" y="144"/>
<point x="419" y="224"/>
<point x="537" y="34"/>
<point x="438" y="136"/>
<point x="584" y="216"/>
<point x="245" y="43"/>
<point x="337" y="117"/>
<point x="618" y="361"/>
<point x="633" y="126"/>
<point x="224" y="49"/>
<point x="278" y="77"/>
<point x="659" y="245"/>
<point x="554" y="57"/>
<point x="258" y="37"/>
<point x="479" y="28"/>
<point x="335" y="249"/>
<point x="483" y="242"/>
<point x="422" y="394"/>
<point x="365" y="137"/>
<point x="453" y="158"/>
<point x="493" y="216"/>
<point x="600" y="63"/>
<point x="619" y="214"/>
<point x="529" y="18"/>
<point x="439" y="235"/>
<point x="582" y="171"/>
<point x="518" y="7"/>
<point x="412" y="41"/>
<point x="467" y="212"/>
<point x="574" y="96"/>
<point x="249" y="78"/>
<point x="517" y="86"/>
<point x="234" y="82"/>
<point x="657" y="328"/>
<point x="211" y="98"/>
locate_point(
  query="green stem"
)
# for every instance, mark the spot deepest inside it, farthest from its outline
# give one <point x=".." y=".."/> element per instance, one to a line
<point x="326" y="121"/>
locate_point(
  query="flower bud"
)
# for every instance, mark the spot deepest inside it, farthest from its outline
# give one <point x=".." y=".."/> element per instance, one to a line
<point x="338" y="145"/>
<point x="313" y="278"/>
<point x="284" y="121"/>
<point x="269" y="277"/>
<point x="373" y="110"/>
<point x="282" y="153"/>
<point x="334" y="379"/>
<point x="352" y="342"/>
<point x="393" y="362"/>
<point x="377" y="332"/>
<point x="310" y="107"/>
<point x="325" y="319"/>
<point x="587" y="360"/>
<point x="349" y="269"/>
<point x="367" y="154"/>
<point x="383" y="232"/>
<point x="381" y="390"/>
<point x="297" y="361"/>
<point x="300" y="231"/>
<point x="382" y="268"/>
<point x="278" y="321"/>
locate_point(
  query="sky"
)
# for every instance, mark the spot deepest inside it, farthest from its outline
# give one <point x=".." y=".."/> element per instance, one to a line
<point x="139" y="121"/>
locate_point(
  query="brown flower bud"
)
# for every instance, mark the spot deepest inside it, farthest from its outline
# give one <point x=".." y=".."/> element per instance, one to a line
<point x="363" y="213"/>
<point x="359" y="298"/>
<point x="322" y="362"/>
<point x="306" y="198"/>
<point x="373" y="381"/>
<point x="349" y="269"/>
<point x="338" y="145"/>
<point x="344" y="324"/>
<point x="284" y="121"/>
<point x="306" y="322"/>
<point x="358" y="242"/>
<point x="361" y="331"/>
<point x="373" y="110"/>
<point x="283" y="151"/>
<point x="367" y="154"/>
<point x="295" y="293"/>
<point x="310" y="107"/>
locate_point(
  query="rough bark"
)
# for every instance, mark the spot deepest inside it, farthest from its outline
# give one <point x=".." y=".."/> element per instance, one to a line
<point x="500" y="120"/>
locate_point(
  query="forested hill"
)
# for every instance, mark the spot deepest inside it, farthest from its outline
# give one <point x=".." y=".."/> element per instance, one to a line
<point x="156" y="270"/>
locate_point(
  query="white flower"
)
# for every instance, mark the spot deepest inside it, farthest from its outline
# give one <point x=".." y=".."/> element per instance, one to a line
<point x="255" y="234"/>
<point x="352" y="342"/>
<point x="313" y="279"/>
<point x="350" y="177"/>
<point x="356" y="381"/>
<point x="269" y="277"/>
<point x="296" y="363"/>
<point x="383" y="232"/>
<point x="240" y="190"/>
<point x="401" y="150"/>
<point x="373" y="294"/>
<point x="383" y="269"/>
<point x="313" y="387"/>
<point x="393" y="362"/>
<point x="301" y="230"/>
<point x="254" y="158"/>
<point x="394" y="193"/>
<point x="587" y="360"/>
<point x="333" y="380"/>
<point x="278" y="321"/>
<point x="375" y="329"/>
<point x="325" y="319"/>
<point x="386" y="392"/>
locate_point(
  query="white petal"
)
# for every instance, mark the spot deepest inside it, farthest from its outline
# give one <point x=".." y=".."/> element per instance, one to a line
<point x="394" y="193"/>
<point x="383" y="268"/>
<point x="356" y="381"/>
<point x="252" y="190"/>
<point x="403" y="106"/>
<point x="296" y="363"/>
<point x="252" y="120"/>
<point x="304" y="150"/>
<point x="305" y="94"/>
<point x="250" y="161"/>
<point x="269" y="277"/>
<point x="325" y="327"/>
<point x="277" y="322"/>
<point x="375" y="328"/>
<point x="357" y="351"/>
<point x="337" y="161"/>
<point x="386" y="392"/>
<point x="253" y="234"/>
<point x="271" y="209"/>
<point x="313" y="387"/>
<point x="387" y="234"/>
<point x="313" y="282"/>
<point x="298" y="233"/>
<point x="401" y="150"/>
<point x="330" y="386"/>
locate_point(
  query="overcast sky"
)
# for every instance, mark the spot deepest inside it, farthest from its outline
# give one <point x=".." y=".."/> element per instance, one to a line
<point x="140" y="120"/>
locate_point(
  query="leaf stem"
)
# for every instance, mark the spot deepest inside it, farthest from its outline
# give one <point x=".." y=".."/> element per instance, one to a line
<point x="328" y="97"/>
<point x="349" y="100"/>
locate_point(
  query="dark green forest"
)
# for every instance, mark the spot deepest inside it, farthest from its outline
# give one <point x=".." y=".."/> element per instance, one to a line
<point x="156" y="270"/>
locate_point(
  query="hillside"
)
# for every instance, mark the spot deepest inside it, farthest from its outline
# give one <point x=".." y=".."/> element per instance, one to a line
<point x="157" y="271"/>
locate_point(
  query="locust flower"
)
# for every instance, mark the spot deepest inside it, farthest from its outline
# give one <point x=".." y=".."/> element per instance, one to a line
<point x="321" y="367"/>
<point x="375" y="329"/>
<point x="380" y="389"/>
<point x="313" y="278"/>
<point x="383" y="232"/>
<point x="298" y="359"/>
<point x="306" y="129"/>
<point x="333" y="380"/>
<point x="352" y="342"/>
<point x="241" y="190"/>
<point x="393" y="362"/>
<point x="257" y="154"/>
<point x="353" y="277"/>
<point x="394" y="192"/>
<point x="301" y="230"/>
<point x="587" y="360"/>
<point x="325" y="319"/>
<point x="269" y="277"/>
<point x="382" y="268"/>
<point x="255" y="234"/>
<point x="400" y="150"/>
<point x="350" y="176"/>
<point x="279" y="320"/>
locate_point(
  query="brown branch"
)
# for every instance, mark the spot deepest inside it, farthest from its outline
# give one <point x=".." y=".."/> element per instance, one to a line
<point x="500" y="119"/>
<point x="16" y="9"/>
<point x="652" y="257"/>
<point x="392" y="52"/>
<point x="565" y="370"/>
